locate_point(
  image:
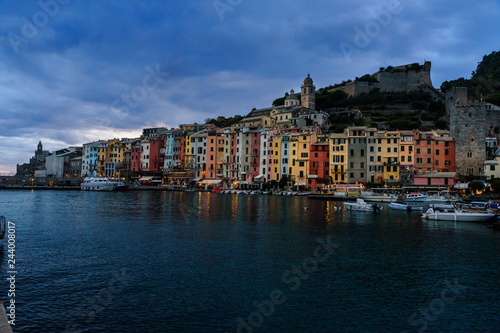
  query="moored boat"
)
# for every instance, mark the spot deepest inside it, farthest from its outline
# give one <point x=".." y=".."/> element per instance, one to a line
<point x="408" y="208"/>
<point x="414" y="197"/>
<point x="361" y="205"/>
<point x="98" y="184"/>
<point x="457" y="216"/>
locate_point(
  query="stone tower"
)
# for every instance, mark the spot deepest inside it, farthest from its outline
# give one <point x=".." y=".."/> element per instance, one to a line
<point x="40" y="147"/>
<point x="308" y="94"/>
<point x="291" y="100"/>
<point x="453" y="95"/>
<point x="468" y="128"/>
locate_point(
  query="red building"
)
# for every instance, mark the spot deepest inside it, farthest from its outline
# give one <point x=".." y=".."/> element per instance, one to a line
<point x="319" y="161"/>
<point x="157" y="153"/>
<point x="255" y="154"/>
<point x="135" y="158"/>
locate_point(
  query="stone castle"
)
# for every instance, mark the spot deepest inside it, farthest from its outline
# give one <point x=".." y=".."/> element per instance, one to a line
<point x="403" y="78"/>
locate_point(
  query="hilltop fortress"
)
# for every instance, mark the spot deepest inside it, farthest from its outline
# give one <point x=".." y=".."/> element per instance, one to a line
<point x="403" y="78"/>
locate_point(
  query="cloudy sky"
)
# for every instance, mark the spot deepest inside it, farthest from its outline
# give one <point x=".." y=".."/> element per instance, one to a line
<point x="75" y="71"/>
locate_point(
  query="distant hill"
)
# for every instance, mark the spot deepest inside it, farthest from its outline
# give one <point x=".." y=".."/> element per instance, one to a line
<point x="484" y="82"/>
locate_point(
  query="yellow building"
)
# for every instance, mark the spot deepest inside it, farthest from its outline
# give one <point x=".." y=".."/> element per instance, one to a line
<point x="388" y="156"/>
<point x="406" y="154"/>
<point x="338" y="157"/>
<point x="276" y="158"/>
<point x="300" y="149"/>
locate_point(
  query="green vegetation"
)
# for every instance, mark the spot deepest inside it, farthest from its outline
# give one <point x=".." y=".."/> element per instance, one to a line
<point x="495" y="185"/>
<point x="476" y="186"/>
<point x="222" y="121"/>
<point x="484" y="81"/>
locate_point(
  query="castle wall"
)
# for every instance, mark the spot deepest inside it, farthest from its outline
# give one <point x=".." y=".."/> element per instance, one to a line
<point x="401" y="79"/>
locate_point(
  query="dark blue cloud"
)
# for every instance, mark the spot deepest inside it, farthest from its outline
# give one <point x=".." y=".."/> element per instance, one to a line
<point x="62" y="82"/>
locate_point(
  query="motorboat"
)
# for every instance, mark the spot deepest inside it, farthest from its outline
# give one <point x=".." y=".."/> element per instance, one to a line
<point x="361" y="205"/>
<point x="457" y="215"/>
<point x="98" y="184"/>
<point x="121" y="186"/>
<point x="408" y="208"/>
<point x="414" y="197"/>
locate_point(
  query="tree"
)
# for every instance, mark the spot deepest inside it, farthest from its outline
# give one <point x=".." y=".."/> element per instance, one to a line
<point x="476" y="186"/>
<point x="283" y="181"/>
<point x="495" y="185"/>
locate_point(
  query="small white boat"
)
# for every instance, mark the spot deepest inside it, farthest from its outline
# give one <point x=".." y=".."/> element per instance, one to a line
<point x="408" y="208"/>
<point x="456" y="216"/>
<point x="361" y="205"/>
<point x="414" y="197"/>
<point x="98" y="184"/>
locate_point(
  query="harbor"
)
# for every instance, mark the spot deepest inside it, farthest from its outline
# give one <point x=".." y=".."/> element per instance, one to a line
<point x="199" y="261"/>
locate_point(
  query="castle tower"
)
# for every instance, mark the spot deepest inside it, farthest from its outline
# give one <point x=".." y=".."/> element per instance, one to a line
<point x="453" y="95"/>
<point x="308" y="94"/>
<point x="468" y="128"/>
<point x="40" y="147"/>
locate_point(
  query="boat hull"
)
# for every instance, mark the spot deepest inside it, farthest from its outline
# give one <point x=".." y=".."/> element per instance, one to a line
<point x="402" y="207"/>
<point x="457" y="216"/>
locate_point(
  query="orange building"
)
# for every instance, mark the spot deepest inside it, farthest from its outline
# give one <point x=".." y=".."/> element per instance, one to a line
<point x="434" y="152"/>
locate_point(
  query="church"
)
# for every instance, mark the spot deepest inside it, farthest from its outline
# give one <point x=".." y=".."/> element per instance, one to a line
<point x="295" y="113"/>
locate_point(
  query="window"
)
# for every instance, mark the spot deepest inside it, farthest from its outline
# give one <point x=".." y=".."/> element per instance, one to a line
<point x="301" y="164"/>
<point x="304" y="155"/>
<point x="362" y="152"/>
<point x="429" y="160"/>
<point x="379" y="149"/>
<point x="388" y="150"/>
<point x="418" y="150"/>
<point x="351" y="165"/>
<point x="446" y="152"/>
<point x="429" y="151"/>
<point x="492" y="168"/>
<point x="402" y="158"/>
<point x="437" y="151"/>
<point x="402" y="148"/>
<point x="379" y="159"/>
<point x="469" y="154"/>
<point x="352" y="152"/>
<point x="362" y="165"/>
<point x="436" y="162"/>
<point x="372" y="149"/>
<point x="447" y="163"/>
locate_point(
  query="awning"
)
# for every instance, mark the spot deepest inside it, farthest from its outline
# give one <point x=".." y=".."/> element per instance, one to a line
<point x="258" y="177"/>
<point x="195" y="179"/>
<point x="244" y="182"/>
<point x="299" y="184"/>
<point x="312" y="176"/>
<point x="210" y="181"/>
<point x="461" y="186"/>
<point x="156" y="181"/>
<point x="145" y="179"/>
